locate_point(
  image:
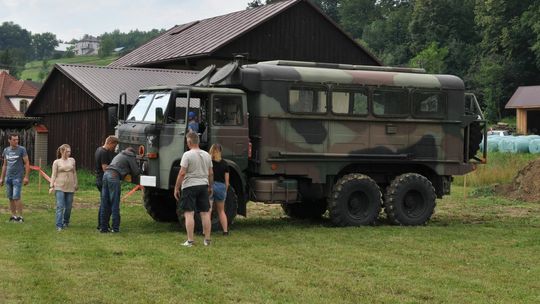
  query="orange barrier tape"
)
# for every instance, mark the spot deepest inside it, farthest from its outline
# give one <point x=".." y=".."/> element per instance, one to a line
<point x="135" y="189"/>
<point x="41" y="172"/>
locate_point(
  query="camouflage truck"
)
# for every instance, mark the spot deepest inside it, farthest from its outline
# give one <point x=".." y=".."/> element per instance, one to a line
<point x="314" y="137"/>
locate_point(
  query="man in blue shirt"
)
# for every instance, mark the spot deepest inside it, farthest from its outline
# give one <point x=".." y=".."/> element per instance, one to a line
<point x="193" y="124"/>
<point x="15" y="170"/>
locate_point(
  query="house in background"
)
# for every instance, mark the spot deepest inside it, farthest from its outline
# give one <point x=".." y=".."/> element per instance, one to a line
<point x="526" y="101"/>
<point x="19" y="93"/>
<point x="88" y="45"/>
<point x="15" y="97"/>
<point x="287" y="30"/>
<point x="78" y="103"/>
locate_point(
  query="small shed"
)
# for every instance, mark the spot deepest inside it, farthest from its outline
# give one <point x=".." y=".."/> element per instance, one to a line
<point x="287" y="30"/>
<point x="526" y="101"/>
<point x="78" y="103"/>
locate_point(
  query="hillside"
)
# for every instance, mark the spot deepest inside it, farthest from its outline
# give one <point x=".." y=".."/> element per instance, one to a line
<point x="33" y="68"/>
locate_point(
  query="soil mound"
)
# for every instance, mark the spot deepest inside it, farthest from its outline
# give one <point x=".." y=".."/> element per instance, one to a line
<point x="526" y="184"/>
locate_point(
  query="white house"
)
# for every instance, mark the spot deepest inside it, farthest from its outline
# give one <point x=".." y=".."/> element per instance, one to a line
<point x="89" y="45"/>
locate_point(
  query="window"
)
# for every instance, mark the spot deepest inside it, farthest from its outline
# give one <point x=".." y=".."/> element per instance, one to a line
<point x="179" y="114"/>
<point x="352" y="103"/>
<point x="145" y="108"/>
<point x="390" y="103"/>
<point x="307" y="100"/>
<point x="23" y="105"/>
<point x="227" y="110"/>
<point x="429" y="104"/>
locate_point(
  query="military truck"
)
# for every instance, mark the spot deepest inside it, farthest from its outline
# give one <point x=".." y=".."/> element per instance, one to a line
<point x="314" y="137"/>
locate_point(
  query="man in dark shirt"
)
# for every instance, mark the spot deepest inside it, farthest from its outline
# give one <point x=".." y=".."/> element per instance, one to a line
<point x="103" y="156"/>
<point x="125" y="163"/>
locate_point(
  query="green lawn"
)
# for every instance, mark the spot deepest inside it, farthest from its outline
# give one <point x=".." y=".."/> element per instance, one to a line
<point x="33" y="68"/>
<point x="475" y="250"/>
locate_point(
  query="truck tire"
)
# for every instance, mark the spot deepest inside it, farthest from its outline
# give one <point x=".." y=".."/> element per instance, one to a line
<point x="231" y="206"/>
<point x="355" y="201"/>
<point x="410" y="200"/>
<point x="305" y="209"/>
<point x="160" y="204"/>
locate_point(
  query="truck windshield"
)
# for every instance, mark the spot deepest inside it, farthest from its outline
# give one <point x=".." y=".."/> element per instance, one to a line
<point x="145" y="108"/>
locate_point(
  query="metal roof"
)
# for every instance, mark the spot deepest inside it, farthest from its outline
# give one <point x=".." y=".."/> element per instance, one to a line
<point x="204" y="37"/>
<point x="106" y="84"/>
<point x="525" y="97"/>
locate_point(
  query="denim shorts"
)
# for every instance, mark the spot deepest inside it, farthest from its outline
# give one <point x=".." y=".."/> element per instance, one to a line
<point x="13" y="188"/>
<point x="220" y="192"/>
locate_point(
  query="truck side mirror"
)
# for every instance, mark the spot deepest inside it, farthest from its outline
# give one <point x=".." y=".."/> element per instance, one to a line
<point x="160" y="119"/>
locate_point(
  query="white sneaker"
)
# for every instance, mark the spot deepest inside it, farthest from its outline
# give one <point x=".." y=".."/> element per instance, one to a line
<point x="207" y="242"/>
<point x="187" y="243"/>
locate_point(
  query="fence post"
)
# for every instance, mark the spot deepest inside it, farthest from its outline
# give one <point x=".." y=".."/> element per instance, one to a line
<point x="39" y="176"/>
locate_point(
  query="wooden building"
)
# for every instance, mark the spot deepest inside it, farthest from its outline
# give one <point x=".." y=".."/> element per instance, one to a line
<point x="286" y="30"/>
<point x="77" y="103"/>
<point x="526" y="101"/>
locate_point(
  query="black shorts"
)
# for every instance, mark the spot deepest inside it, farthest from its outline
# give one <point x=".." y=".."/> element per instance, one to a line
<point x="194" y="198"/>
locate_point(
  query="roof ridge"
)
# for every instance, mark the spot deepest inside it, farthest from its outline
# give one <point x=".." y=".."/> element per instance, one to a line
<point x="123" y="68"/>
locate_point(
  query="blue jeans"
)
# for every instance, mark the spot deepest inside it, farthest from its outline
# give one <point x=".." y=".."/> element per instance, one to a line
<point x="14" y="188"/>
<point x="110" y="201"/>
<point x="64" y="202"/>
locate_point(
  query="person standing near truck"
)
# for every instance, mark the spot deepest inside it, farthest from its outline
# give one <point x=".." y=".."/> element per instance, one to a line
<point x="220" y="186"/>
<point x="103" y="156"/>
<point x="15" y="164"/>
<point x="122" y="164"/>
<point x="193" y="187"/>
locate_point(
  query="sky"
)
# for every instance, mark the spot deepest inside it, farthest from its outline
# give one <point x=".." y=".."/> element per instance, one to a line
<point x="71" y="19"/>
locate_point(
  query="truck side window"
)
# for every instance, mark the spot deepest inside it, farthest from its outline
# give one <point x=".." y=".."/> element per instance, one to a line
<point x="390" y="102"/>
<point x="350" y="102"/>
<point x="429" y="104"/>
<point x="227" y="110"/>
<point x="180" y="108"/>
<point x="307" y="100"/>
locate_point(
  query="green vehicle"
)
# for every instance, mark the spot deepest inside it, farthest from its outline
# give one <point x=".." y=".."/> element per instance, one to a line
<point x="314" y="137"/>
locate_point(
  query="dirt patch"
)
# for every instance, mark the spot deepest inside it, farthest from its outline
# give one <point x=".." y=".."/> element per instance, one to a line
<point x="526" y="184"/>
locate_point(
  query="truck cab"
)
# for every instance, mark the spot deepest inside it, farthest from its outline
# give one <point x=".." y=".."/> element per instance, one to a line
<point x="157" y="124"/>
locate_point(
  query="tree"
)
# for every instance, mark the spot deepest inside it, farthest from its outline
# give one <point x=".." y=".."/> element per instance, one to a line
<point x="388" y="36"/>
<point x="451" y="24"/>
<point x="44" y="45"/>
<point x="106" y="47"/>
<point x="431" y="58"/>
<point x="506" y="56"/>
<point x="330" y="8"/>
<point x="15" y="47"/>
<point x="355" y="15"/>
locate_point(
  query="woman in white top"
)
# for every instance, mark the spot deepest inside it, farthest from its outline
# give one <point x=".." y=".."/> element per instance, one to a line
<point x="64" y="182"/>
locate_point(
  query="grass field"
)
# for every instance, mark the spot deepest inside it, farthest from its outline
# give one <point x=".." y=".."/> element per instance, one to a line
<point x="475" y="250"/>
<point x="33" y="68"/>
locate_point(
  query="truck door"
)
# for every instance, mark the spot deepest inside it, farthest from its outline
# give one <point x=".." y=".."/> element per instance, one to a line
<point x="228" y="126"/>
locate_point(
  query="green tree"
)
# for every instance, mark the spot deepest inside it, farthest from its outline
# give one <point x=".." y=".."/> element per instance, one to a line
<point x="330" y="8"/>
<point x="388" y="37"/>
<point x="15" y="47"/>
<point x="508" y="36"/>
<point x="355" y="15"/>
<point x="44" y="45"/>
<point x="106" y="47"/>
<point x="432" y="59"/>
<point x="451" y="24"/>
